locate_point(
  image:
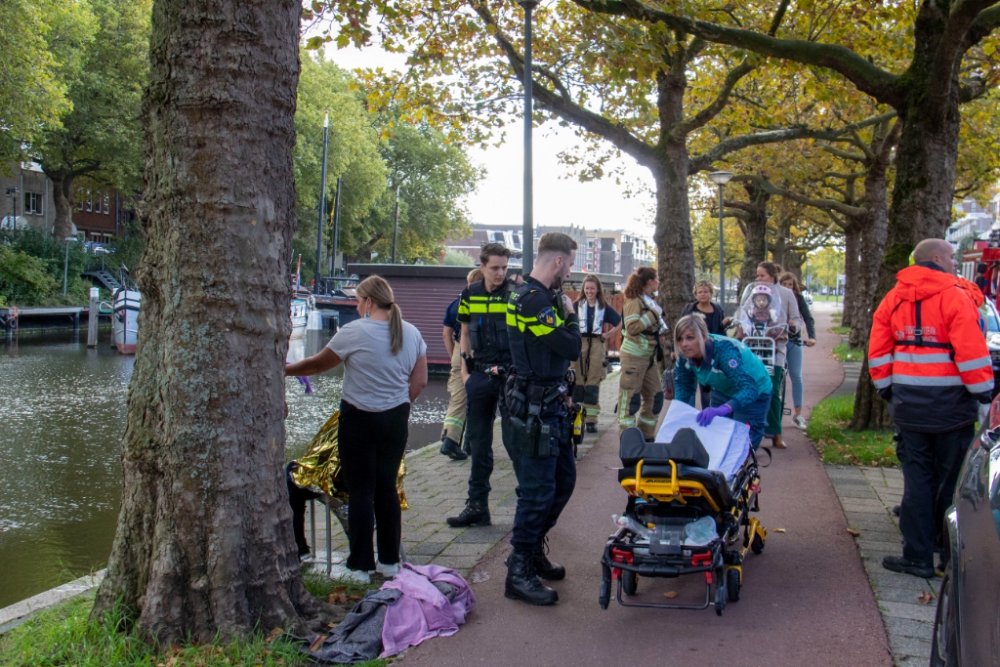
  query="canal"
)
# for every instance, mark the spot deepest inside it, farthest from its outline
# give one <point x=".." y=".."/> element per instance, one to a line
<point x="62" y="416"/>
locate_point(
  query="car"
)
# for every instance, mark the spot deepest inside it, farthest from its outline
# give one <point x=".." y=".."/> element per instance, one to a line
<point x="992" y="319"/>
<point x="807" y="296"/>
<point x="967" y="621"/>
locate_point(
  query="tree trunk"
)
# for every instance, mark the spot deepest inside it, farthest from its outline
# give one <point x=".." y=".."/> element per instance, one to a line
<point x="62" y="195"/>
<point x="852" y="250"/>
<point x="204" y="544"/>
<point x="873" y="239"/>
<point x="754" y="229"/>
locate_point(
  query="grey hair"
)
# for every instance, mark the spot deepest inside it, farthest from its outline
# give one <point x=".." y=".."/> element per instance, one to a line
<point x="696" y="324"/>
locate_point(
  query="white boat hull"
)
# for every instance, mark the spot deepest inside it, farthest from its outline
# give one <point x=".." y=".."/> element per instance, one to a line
<point x="125" y="320"/>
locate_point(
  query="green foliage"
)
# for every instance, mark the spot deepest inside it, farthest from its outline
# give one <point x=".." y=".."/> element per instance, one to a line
<point x="843" y="352"/>
<point x="843" y="331"/>
<point x="454" y="257"/>
<point x="42" y="40"/>
<point x="823" y="267"/>
<point x="705" y="236"/>
<point x="837" y="445"/>
<point x="24" y="280"/>
<point x="65" y="635"/>
<point x="51" y="252"/>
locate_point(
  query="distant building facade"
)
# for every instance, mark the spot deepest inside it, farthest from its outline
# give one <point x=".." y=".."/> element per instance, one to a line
<point x="974" y="221"/>
<point x="617" y="252"/>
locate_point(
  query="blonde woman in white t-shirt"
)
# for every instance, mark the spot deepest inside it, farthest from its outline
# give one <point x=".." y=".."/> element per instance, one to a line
<point x="385" y="369"/>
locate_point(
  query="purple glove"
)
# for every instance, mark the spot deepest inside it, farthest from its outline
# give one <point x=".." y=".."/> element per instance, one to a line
<point x="304" y="379"/>
<point x="706" y="416"/>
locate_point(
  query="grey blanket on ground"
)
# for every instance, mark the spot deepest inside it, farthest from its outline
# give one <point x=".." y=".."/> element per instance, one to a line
<point x="359" y="637"/>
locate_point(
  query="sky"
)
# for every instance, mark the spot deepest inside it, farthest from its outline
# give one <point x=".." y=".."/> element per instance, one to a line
<point x="558" y="199"/>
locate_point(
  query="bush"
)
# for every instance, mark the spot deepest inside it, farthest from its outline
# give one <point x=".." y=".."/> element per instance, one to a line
<point x="454" y="257"/>
<point x="24" y="280"/>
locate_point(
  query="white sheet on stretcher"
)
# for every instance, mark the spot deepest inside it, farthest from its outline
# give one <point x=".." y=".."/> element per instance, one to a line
<point x="726" y="441"/>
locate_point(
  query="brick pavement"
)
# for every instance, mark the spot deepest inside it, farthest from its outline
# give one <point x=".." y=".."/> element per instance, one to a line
<point x="436" y="489"/>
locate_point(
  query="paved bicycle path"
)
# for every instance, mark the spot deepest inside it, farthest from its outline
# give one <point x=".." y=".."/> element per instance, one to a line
<point x="806" y="600"/>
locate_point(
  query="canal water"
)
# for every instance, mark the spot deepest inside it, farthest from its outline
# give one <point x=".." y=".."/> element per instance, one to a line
<point x="62" y="415"/>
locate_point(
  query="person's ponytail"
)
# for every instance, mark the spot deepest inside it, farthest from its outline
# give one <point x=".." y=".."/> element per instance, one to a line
<point x="395" y="329"/>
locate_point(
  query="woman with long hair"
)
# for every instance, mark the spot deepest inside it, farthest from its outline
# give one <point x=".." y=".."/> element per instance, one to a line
<point x="594" y="314"/>
<point x="640" y="397"/>
<point x="385" y="369"/>
<point x="793" y="353"/>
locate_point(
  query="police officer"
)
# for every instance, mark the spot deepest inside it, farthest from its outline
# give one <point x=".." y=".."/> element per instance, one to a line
<point x="544" y="339"/>
<point x="482" y="312"/>
<point x="454" y="420"/>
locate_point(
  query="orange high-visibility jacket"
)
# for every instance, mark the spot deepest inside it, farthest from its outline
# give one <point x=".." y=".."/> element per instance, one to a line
<point x="928" y="353"/>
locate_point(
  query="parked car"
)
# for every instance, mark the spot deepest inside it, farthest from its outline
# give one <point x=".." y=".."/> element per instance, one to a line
<point x="808" y="297"/>
<point x="967" y="623"/>
<point x="992" y="318"/>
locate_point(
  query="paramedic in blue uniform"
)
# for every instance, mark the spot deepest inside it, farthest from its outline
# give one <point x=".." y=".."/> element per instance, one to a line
<point x="482" y="312"/>
<point x="740" y="383"/>
<point x="544" y="339"/>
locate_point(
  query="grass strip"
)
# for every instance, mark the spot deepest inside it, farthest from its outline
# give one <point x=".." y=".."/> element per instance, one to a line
<point x="837" y="445"/>
<point x="843" y="352"/>
<point x="843" y="331"/>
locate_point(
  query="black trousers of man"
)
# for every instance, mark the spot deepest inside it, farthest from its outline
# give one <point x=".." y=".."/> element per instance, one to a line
<point x="930" y="463"/>
<point x="483" y="393"/>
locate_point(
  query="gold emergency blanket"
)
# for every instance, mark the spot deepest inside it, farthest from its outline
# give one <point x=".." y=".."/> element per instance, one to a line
<point x="320" y="465"/>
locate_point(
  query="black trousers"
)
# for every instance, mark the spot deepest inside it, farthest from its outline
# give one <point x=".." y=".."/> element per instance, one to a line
<point x="371" y="447"/>
<point x="483" y="393"/>
<point x="297" y="498"/>
<point x="930" y="463"/>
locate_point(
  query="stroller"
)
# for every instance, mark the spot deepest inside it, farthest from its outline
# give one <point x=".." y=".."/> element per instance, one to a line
<point x="761" y="323"/>
<point x="681" y="518"/>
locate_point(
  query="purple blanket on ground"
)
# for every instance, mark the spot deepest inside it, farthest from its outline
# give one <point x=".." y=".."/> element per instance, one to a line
<point x="424" y="611"/>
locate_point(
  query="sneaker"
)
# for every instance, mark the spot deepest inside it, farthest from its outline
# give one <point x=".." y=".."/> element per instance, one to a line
<point x="358" y="577"/>
<point x="900" y="564"/>
<point x="451" y="449"/>
<point x="591" y="428"/>
<point x="800" y="422"/>
<point x="387" y="571"/>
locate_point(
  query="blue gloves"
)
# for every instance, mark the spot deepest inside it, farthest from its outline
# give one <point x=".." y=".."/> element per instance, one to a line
<point x="706" y="416"/>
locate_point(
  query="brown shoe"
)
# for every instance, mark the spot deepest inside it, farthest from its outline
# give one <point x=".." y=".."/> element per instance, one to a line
<point x="777" y="442"/>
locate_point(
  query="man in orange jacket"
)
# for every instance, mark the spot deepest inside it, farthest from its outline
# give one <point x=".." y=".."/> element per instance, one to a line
<point x="928" y="359"/>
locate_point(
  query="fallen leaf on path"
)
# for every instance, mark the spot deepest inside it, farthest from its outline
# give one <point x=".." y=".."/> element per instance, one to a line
<point x="670" y="594"/>
<point x="779" y="530"/>
<point x="853" y="532"/>
<point x="480" y="577"/>
<point x="276" y="632"/>
<point x="926" y="597"/>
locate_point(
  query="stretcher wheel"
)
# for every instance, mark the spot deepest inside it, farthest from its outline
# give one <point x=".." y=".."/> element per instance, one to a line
<point x="757" y="544"/>
<point x="605" y="595"/>
<point x="720" y="600"/>
<point x="733" y="584"/>
<point x="630" y="582"/>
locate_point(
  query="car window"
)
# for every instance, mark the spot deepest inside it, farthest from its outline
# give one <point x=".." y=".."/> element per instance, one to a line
<point x="992" y="323"/>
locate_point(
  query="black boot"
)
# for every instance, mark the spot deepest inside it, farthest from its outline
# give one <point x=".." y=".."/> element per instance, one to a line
<point x="451" y="449"/>
<point x="474" y="514"/>
<point x="545" y="568"/>
<point x="523" y="584"/>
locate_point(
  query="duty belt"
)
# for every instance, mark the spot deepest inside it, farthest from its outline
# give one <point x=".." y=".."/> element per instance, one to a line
<point x="491" y="369"/>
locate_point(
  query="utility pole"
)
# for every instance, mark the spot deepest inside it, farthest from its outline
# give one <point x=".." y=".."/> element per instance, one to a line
<point x="336" y="227"/>
<point x="322" y="205"/>
<point x="528" y="232"/>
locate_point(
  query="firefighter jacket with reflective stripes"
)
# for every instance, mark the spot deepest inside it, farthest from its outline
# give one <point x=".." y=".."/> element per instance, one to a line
<point x="729" y="367"/>
<point x="542" y="341"/>
<point x="928" y="353"/>
<point x="641" y="328"/>
<point x="485" y="314"/>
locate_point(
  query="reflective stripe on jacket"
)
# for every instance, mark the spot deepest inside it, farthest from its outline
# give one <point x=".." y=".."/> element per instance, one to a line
<point x="641" y="325"/>
<point x="936" y="370"/>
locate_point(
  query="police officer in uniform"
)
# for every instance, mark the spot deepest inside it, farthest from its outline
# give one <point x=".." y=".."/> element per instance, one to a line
<point x="482" y="312"/>
<point x="544" y="339"/>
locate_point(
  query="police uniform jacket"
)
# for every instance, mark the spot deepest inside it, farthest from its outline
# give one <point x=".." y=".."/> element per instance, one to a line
<point x="542" y="341"/>
<point x="485" y="313"/>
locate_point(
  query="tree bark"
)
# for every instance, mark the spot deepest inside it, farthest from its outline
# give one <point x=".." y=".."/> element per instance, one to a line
<point x="62" y="195"/>
<point x="852" y="251"/>
<point x="204" y="544"/>
<point x="754" y="231"/>
<point x="873" y="239"/>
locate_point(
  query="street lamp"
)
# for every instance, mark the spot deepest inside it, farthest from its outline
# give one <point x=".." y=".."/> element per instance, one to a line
<point x="720" y="178"/>
<point x="528" y="233"/>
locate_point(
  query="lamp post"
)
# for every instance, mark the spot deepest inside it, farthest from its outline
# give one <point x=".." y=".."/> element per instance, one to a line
<point x="322" y="206"/>
<point x="528" y="233"/>
<point x="720" y="178"/>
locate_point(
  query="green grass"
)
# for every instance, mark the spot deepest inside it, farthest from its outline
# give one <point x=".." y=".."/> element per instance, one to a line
<point x="827" y="297"/>
<point x="836" y="445"/>
<point x="843" y="331"/>
<point x="843" y="352"/>
<point x="65" y="636"/>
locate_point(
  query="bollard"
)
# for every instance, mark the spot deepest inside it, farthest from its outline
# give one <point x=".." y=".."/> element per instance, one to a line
<point x="329" y="541"/>
<point x="95" y="296"/>
<point x="312" y="527"/>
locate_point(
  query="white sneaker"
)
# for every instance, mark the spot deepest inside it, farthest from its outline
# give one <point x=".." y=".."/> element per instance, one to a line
<point x="387" y="571"/>
<point x="800" y="422"/>
<point x="358" y="577"/>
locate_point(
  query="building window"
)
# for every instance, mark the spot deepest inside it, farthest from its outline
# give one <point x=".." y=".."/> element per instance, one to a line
<point x="97" y="202"/>
<point x="107" y="204"/>
<point x="89" y="204"/>
<point x="79" y="199"/>
<point x="32" y="203"/>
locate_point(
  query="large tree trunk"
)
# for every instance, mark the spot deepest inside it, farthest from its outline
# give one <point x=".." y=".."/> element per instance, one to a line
<point x="62" y="195"/>
<point x="873" y="238"/>
<point x="204" y="544"/>
<point x="852" y="250"/>
<point x="754" y="232"/>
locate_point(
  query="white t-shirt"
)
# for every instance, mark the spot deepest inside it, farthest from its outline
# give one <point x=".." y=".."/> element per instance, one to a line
<point x="375" y="379"/>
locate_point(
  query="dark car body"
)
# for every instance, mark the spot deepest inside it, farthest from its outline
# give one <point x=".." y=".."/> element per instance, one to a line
<point x="967" y="625"/>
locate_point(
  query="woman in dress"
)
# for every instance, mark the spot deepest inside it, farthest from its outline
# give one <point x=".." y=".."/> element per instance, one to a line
<point x="385" y="369"/>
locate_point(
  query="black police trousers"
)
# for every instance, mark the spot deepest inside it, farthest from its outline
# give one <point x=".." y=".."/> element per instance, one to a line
<point x="483" y="394"/>
<point x="930" y="463"/>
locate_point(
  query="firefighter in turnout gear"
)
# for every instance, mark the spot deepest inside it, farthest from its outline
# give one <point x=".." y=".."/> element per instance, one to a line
<point x="544" y="339"/>
<point x="482" y="312"/>
<point x="640" y="398"/>
<point x="591" y="368"/>
<point x="928" y="358"/>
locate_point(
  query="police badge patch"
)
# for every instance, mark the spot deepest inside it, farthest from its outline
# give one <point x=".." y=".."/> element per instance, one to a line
<point x="547" y="317"/>
<point x="733" y="363"/>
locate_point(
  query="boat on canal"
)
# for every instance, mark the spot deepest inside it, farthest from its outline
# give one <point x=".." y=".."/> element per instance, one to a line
<point x="303" y="306"/>
<point x="125" y="303"/>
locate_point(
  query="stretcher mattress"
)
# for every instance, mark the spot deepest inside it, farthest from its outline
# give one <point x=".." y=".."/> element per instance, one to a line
<point x="726" y="441"/>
